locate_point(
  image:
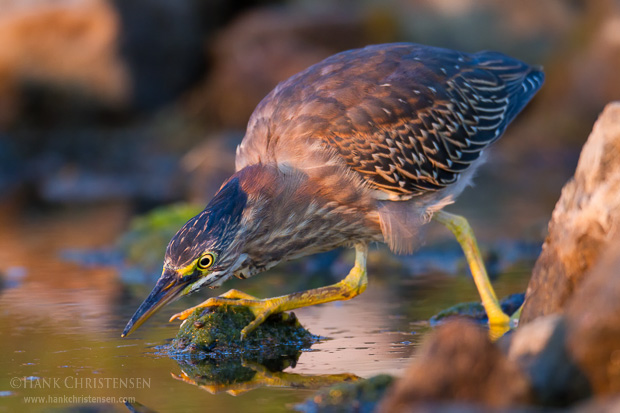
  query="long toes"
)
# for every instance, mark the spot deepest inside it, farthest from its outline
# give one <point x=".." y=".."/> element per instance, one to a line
<point x="176" y="316"/>
<point x="260" y="315"/>
<point x="182" y="315"/>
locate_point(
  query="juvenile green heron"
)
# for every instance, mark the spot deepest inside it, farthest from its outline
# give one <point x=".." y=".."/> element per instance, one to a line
<point x="367" y="145"/>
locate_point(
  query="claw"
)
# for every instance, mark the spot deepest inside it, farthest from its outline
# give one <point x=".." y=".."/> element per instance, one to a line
<point x="182" y="315"/>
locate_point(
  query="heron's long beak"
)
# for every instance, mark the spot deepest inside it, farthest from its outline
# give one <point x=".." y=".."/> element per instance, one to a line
<point x="167" y="289"/>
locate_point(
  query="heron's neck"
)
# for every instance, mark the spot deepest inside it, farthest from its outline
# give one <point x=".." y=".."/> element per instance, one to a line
<point x="290" y="214"/>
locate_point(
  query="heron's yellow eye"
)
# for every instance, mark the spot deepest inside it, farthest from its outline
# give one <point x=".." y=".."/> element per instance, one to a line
<point x="206" y="261"/>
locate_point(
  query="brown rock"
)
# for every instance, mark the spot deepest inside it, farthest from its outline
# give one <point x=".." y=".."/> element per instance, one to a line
<point x="593" y="323"/>
<point x="458" y="363"/>
<point x="570" y="357"/>
<point x="529" y="340"/>
<point x="556" y="380"/>
<point x="599" y="405"/>
<point x="72" y="45"/>
<point x="583" y="220"/>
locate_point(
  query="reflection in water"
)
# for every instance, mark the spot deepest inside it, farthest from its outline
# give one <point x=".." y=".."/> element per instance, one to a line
<point x="235" y="376"/>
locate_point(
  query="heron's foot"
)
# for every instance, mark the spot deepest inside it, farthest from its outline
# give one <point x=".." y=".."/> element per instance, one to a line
<point x="499" y="322"/>
<point x="502" y="324"/>
<point x="261" y="308"/>
<point x="231" y="297"/>
<point x="497" y="317"/>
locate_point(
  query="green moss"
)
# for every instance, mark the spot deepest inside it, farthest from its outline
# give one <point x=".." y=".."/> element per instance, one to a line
<point x="359" y="396"/>
<point x="215" y="332"/>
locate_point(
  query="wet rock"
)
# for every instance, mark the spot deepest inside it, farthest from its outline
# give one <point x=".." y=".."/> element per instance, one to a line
<point x="212" y="357"/>
<point x="475" y="310"/>
<point x="215" y="333"/>
<point x="573" y="353"/>
<point x="556" y="380"/>
<point x="458" y="363"/>
<point x="357" y="397"/>
<point x="593" y="323"/>
<point x="582" y="222"/>
<point x="529" y="340"/>
<point x="573" y="356"/>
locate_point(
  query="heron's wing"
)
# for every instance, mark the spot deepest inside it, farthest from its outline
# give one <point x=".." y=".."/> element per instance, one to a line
<point x="409" y="119"/>
<point x="427" y="124"/>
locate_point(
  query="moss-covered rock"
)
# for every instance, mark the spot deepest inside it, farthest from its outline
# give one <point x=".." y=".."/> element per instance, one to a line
<point x="359" y="396"/>
<point x="215" y="332"/>
<point x="475" y="310"/>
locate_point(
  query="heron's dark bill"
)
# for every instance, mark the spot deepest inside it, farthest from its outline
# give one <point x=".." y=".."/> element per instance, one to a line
<point x="167" y="289"/>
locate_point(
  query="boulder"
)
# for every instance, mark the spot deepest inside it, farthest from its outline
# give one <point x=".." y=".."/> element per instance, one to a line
<point x="593" y="324"/>
<point x="570" y="357"/>
<point x="214" y="332"/>
<point x="583" y="222"/>
<point x="458" y="363"/>
<point x="555" y="378"/>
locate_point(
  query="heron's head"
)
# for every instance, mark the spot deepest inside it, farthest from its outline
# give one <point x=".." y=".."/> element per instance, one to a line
<point x="206" y="251"/>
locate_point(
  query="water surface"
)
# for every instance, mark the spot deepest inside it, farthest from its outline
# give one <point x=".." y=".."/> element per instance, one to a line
<point x="61" y="325"/>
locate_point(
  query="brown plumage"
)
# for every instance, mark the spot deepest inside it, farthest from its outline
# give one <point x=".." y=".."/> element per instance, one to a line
<point x="407" y="121"/>
<point x="364" y="146"/>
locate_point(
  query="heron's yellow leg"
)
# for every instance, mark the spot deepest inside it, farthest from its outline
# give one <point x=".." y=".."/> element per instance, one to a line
<point x="465" y="236"/>
<point x="354" y="284"/>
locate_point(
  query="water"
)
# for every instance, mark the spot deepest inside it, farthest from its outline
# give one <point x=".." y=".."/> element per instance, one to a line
<point x="61" y="323"/>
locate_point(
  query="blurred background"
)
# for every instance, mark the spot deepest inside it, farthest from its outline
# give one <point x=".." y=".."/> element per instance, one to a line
<point x="119" y="119"/>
